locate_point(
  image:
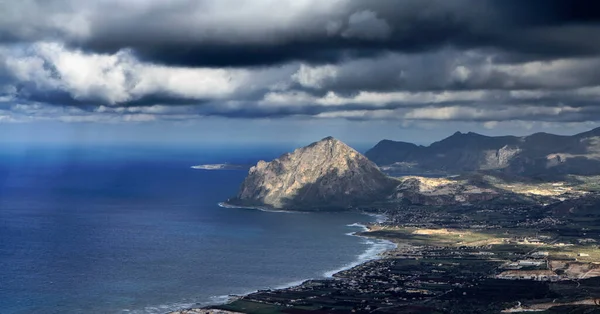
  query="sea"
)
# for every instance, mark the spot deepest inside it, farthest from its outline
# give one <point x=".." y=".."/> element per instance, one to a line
<point x="134" y="229"/>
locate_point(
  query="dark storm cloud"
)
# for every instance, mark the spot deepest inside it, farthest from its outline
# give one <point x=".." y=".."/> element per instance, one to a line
<point x="550" y="12"/>
<point x="465" y="60"/>
<point x="353" y="30"/>
<point x="235" y="55"/>
<point x="204" y="33"/>
<point x="539" y="29"/>
<point x="62" y="98"/>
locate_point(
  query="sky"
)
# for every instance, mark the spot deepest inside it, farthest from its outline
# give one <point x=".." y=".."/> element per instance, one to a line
<point x="261" y="71"/>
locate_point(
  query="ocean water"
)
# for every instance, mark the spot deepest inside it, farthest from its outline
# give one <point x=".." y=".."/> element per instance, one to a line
<point x="136" y="230"/>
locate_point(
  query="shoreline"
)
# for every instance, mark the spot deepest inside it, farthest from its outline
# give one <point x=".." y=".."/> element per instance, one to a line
<point x="435" y="267"/>
<point x="378" y="248"/>
<point x="262" y="209"/>
<point x="370" y="254"/>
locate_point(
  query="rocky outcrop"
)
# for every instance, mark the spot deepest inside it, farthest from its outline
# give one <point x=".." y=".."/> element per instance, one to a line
<point x="440" y="191"/>
<point x="323" y="175"/>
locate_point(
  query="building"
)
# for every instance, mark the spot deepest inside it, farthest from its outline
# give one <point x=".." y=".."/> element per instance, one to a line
<point x="540" y="275"/>
<point x="540" y="254"/>
<point x="529" y="262"/>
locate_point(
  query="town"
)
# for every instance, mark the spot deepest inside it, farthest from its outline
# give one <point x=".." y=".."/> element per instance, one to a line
<point x="455" y="259"/>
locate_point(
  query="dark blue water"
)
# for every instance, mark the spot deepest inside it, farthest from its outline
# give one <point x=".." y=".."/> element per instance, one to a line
<point x="122" y="230"/>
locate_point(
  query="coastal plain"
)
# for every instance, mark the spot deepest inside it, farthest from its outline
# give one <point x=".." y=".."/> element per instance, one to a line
<point x="516" y="264"/>
<point x="469" y="266"/>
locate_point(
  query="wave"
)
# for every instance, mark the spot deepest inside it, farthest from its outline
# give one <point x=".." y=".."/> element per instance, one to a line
<point x="379" y="218"/>
<point x="225" y="205"/>
<point x="373" y="252"/>
<point x="225" y="166"/>
<point x="376" y="247"/>
<point x="356" y="224"/>
<point x="291" y="284"/>
<point x="223" y="299"/>
<point x="164" y="308"/>
<point x="262" y="209"/>
<point x="210" y="167"/>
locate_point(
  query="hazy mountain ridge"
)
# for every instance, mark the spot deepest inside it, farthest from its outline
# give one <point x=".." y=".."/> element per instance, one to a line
<point x="536" y="154"/>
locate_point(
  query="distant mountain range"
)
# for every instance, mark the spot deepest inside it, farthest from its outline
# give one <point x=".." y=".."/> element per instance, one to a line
<point x="539" y="154"/>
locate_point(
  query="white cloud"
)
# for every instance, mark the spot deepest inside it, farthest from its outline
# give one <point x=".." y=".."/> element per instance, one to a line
<point x="408" y="98"/>
<point x="490" y="124"/>
<point x="90" y="76"/>
<point x="292" y="98"/>
<point x="486" y="114"/>
<point x="382" y="114"/>
<point x="119" y="77"/>
<point x="314" y="76"/>
<point x="424" y="87"/>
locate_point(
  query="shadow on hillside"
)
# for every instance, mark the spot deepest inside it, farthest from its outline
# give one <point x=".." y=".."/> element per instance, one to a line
<point x="335" y="191"/>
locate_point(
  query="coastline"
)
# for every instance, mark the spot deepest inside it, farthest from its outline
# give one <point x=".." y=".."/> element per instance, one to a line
<point x="261" y="208"/>
<point x="377" y="250"/>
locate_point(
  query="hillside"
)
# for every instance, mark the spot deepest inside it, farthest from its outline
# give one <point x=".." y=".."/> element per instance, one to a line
<point x="539" y="154"/>
<point x="323" y="175"/>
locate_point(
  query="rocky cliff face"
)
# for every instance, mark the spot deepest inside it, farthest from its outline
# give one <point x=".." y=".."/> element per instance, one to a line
<point x="324" y="175"/>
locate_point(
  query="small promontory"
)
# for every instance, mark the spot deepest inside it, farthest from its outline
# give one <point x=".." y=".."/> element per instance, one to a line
<point x="324" y="175"/>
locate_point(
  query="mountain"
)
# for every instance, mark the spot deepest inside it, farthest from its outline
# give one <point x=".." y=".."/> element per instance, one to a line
<point x="538" y="154"/>
<point x="326" y="174"/>
<point x="329" y="175"/>
<point x="387" y="152"/>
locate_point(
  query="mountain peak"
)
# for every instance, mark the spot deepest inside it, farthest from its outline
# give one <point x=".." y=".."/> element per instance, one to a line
<point x="327" y="173"/>
<point x="330" y="140"/>
<point x="331" y="146"/>
<point x="467" y="134"/>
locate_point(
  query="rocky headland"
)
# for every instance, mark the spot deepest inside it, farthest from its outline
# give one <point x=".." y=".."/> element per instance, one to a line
<point x="324" y="175"/>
